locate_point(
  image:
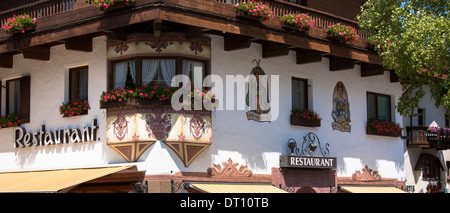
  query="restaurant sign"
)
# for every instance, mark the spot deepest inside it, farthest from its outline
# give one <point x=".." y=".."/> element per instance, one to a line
<point x="297" y="161"/>
<point x="61" y="136"/>
<point x="311" y="154"/>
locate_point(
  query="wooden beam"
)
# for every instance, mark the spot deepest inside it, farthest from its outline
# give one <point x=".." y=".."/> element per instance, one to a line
<point x="339" y="63"/>
<point x="79" y="43"/>
<point x="157" y="28"/>
<point x="194" y="32"/>
<point x="393" y="77"/>
<point x="117" y="35"/>
<point x="371" y="69"/>
<point x="304" y="56"/>
<point x="236" y="42"/>
<point x="6" y="61"/>
<point x="37" y="52"/>
<point x="272" y="49"/>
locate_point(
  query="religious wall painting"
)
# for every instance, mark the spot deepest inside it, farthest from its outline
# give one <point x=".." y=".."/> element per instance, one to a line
<point x="341" y="109"/>
<point x="257" y="98"/>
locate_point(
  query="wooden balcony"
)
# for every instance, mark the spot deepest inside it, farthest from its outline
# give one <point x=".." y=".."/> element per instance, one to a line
<point x="75" y="22"/>
<point x="44" y="8"/>
<point x="419" y="137"/>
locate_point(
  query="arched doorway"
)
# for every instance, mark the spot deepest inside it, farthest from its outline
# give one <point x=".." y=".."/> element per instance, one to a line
<point x="306" y="189"/>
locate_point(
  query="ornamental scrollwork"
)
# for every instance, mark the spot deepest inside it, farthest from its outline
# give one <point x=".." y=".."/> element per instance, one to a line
<point x="311" y="146"/>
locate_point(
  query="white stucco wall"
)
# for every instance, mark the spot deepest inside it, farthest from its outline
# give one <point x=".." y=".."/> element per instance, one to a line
<point x="257" y="145"/>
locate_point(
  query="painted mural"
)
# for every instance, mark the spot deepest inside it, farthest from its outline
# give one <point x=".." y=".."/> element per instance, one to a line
<point x="131" y="131"/>
<point x="257" y="97"/>
<point x="341" y="109"/>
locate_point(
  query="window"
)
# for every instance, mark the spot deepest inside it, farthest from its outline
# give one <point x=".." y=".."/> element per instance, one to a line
<point x="378" y="107"/>
<point x="18" y="98"/>
<point x="431" y="170"/>
<point x="78" y="83"/>
<point x="299" y="93"/>
<point x="420" y="117"/>
<point x="151" y="71"/>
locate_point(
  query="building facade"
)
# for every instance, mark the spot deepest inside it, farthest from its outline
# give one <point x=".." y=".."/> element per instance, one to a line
<point x="426" y="154"/>
<point x="79" y="52"/>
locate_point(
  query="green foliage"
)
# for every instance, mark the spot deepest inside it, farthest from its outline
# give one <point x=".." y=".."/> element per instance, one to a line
<point x="419" y="35"/>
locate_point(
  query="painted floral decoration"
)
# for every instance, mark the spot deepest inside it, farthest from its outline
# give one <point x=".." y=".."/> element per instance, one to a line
<point x="305" y="114"/>
<point x="343" y="32"/>
<point x="10" y="120"/>
<point x="300" y="20"/>
<point x="105" y="4"/>
<point x="386" y="127"/>
<point x="74" y="108"/>
<point x="256" y="9"/>
<point x="18" y="24"/>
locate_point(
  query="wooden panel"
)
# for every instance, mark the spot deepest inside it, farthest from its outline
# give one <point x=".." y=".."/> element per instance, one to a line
<point x="6" y="61"/>
<point x="272" y="49"/>
<point x="339" y="63"/>
<point x="80" y="43"/>
<point x="37" y="52"/>
<point x="236" y="42"/>
<point x="308" y="56"/>
<point x="371" y="69"/>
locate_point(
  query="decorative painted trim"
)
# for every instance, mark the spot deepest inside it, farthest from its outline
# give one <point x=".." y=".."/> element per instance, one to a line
<point x="195" y="47"/>
<point x="366" y="174"/>
<point x="167" y="44"/>
<point x="229" y="169"/>
<point x="158" y="44"/>
<point x="121" y="48"/>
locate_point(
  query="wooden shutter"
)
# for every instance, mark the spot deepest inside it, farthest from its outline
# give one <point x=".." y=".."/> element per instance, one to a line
<point x="24" y="108"/>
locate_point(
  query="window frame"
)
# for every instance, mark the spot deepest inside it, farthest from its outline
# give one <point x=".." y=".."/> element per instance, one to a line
<point x="77" y="69"/>
<point x="138" y="66"/>
<point x="305" y="81"/>
<point x="376" y="105"/>
<point x="24" y="118"/>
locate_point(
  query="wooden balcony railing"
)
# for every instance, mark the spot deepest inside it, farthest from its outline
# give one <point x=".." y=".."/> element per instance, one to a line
<point x="45" y="8"/>
<point x="322" y="19"/>
<point x="419" y="137"/>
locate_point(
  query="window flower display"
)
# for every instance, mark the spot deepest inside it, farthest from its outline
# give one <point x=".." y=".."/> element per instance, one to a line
<point x="343" y="33"/>
<point x="18" y="24"/>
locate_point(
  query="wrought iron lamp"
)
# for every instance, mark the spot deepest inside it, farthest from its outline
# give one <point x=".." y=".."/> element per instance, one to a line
<point x="292" y="144"/>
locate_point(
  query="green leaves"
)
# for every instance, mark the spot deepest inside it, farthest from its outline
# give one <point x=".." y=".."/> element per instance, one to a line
<point x="418" y="31"/>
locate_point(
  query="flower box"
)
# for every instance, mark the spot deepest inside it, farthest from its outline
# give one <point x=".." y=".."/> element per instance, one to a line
<point x="383" y="128"/>
<point x="342" y="33"/>
<point x="253" y="11"/>
<point x="134" y="102"/>
<point x="10" y="120"/>
<point x="299" y="22"/>
<point x="155" y="95"/>
<point x="297" y="121"/>
<point x="371" y="131"/>
<point x="74" y="108"/>
<point x="114" y="6"/>
<point x="305" y="118"/>
<point x="27" y="29"/>
<point x="19" y="25"/>
<point x="241" y="15"/>
<point x="291" y="28"/>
